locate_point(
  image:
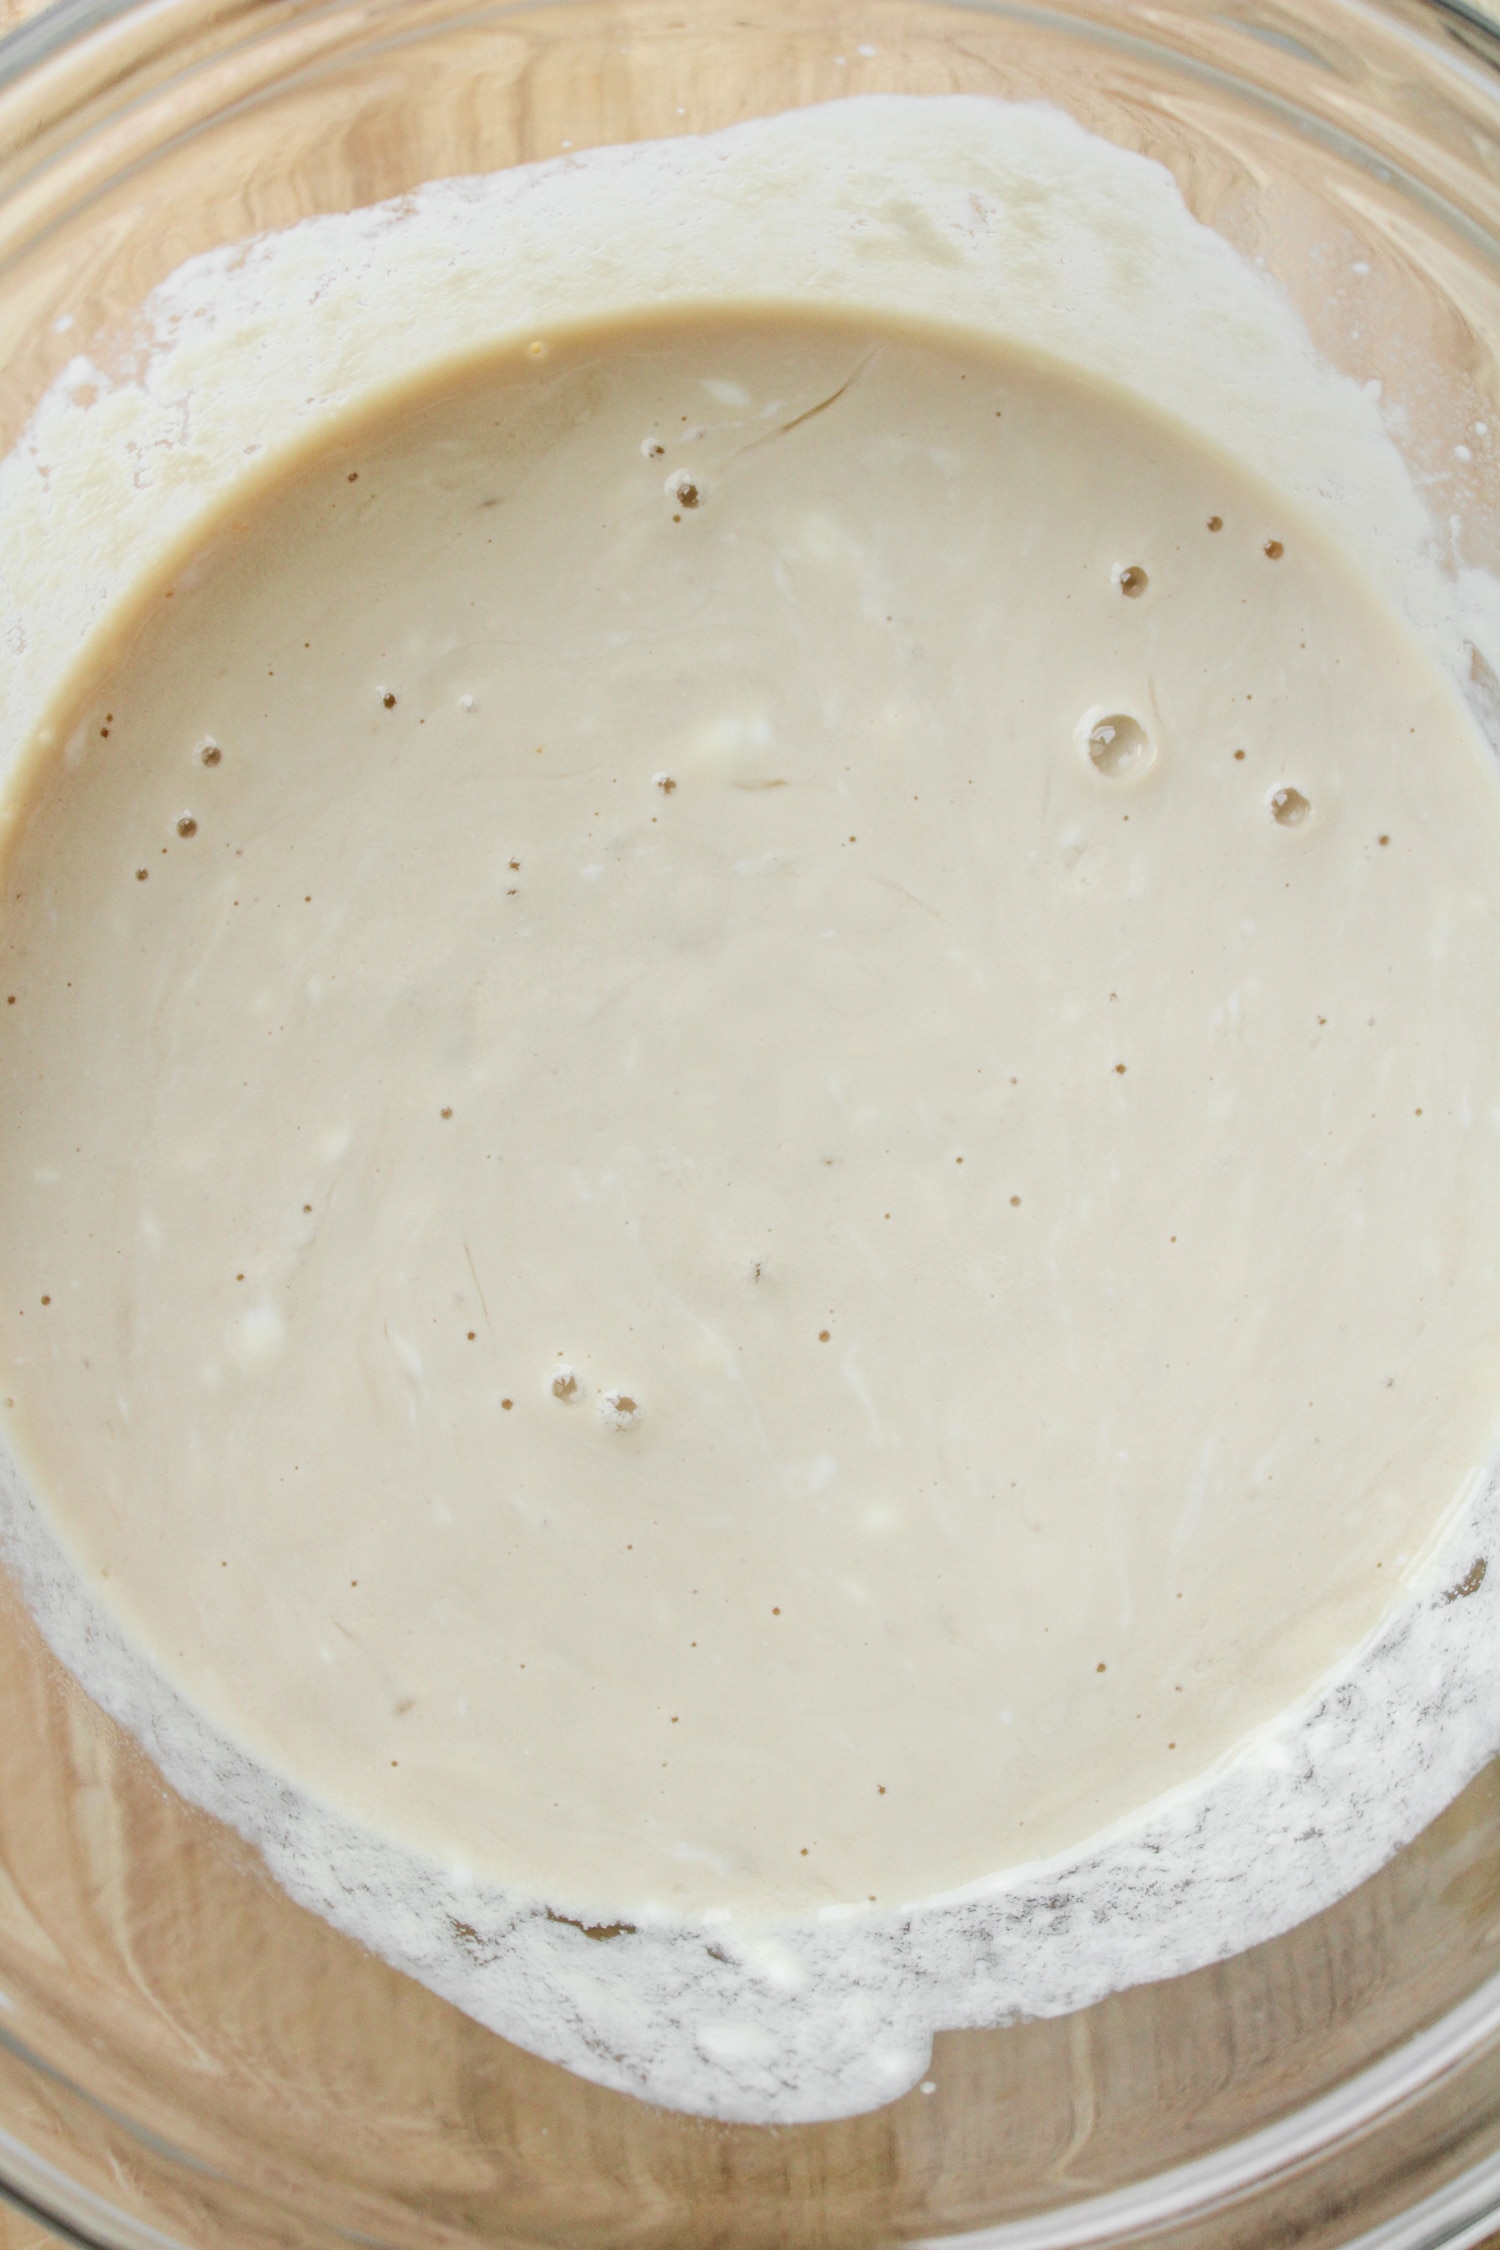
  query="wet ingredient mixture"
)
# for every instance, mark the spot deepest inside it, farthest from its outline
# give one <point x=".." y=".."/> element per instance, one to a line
<point x="748" y="1092"/>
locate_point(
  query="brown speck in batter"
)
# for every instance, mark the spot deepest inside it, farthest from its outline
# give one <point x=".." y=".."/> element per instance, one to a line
<point x="1470" y="1583"/>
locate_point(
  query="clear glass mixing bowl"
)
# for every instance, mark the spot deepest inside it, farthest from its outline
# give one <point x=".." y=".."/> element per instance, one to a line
<point x="187" y="2057"/>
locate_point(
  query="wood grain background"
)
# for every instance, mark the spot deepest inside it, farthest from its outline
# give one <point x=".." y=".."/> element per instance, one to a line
<point x="17" y="2233"/>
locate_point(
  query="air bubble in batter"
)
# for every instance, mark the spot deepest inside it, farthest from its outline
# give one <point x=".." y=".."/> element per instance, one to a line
<point x="684" y="491"/>
<point x="1289" y="808"/>
<point x="1116" y="745"/>
<point x="619" y="1410"/>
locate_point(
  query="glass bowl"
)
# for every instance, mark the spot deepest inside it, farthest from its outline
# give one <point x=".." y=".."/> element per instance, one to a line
<point x="187" y="2057"/>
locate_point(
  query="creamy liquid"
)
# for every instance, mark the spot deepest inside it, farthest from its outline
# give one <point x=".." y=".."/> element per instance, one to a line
<point x="664" y="1223"/>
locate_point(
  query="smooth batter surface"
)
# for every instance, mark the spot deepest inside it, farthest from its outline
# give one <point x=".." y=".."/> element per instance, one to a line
<point x="655" y="1229"/>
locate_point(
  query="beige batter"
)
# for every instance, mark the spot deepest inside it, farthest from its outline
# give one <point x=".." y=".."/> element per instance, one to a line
<point x="748" y="1114"/>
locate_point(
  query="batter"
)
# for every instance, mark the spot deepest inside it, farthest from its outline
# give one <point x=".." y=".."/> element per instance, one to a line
<point x="746" y="1115"/>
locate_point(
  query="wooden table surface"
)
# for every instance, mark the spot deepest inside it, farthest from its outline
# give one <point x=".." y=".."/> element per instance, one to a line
<point x="17" y="2233"/>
